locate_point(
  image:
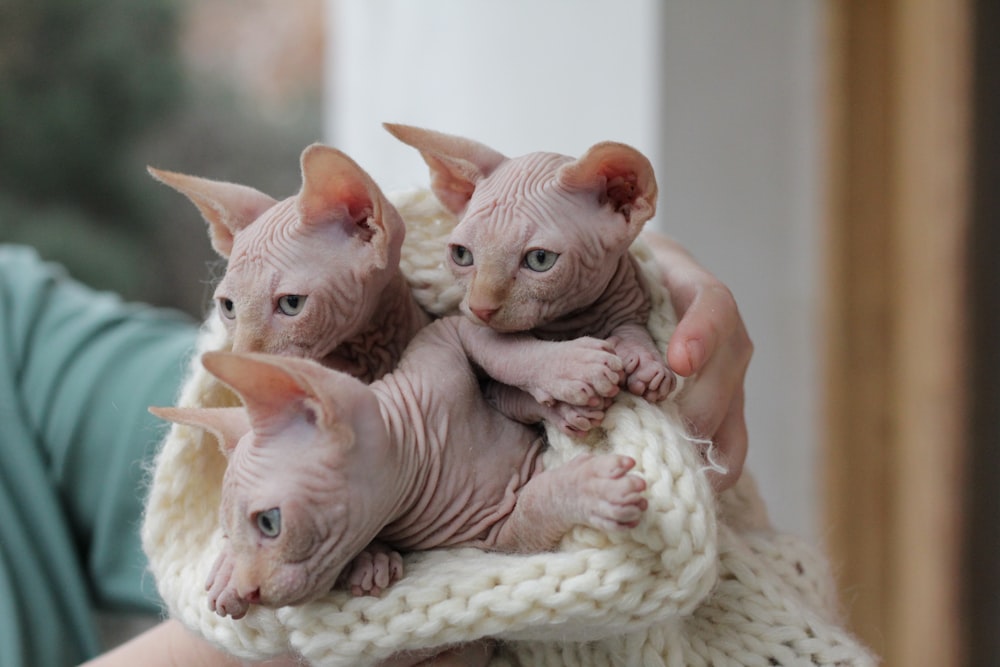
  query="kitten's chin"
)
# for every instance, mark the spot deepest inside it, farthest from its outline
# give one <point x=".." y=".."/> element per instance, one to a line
<point x="290" y="588"/>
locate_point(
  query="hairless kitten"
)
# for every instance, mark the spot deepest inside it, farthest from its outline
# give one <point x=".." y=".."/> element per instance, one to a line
<point x="556" y="304"/>
<point x="321" y="465"/>
<point x="315" y="275"/>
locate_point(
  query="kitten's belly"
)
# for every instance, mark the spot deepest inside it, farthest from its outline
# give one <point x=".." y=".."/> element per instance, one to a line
<point x="475" y="492"/>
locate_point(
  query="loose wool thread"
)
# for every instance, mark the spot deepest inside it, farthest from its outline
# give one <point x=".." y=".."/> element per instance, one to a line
<point x="700" y="581"/>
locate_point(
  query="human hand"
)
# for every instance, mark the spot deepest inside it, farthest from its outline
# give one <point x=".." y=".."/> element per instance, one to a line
<point x="712" y="348"/>
<point x="170" y="644"/>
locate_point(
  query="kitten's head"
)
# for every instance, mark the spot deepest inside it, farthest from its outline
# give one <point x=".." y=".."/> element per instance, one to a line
<point x="539" y="236"/>
<point x="302" y="492"/>
<point x="304" y="274"/>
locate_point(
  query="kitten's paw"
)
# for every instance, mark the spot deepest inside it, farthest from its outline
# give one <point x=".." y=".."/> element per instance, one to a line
<point x="646" y="371"/>
<point x="612" y="498"/>
<point x="575" y="420"/>
<point x="223" y="598"/>
<point x="229" y="603"/>
<point x="584" y="373"/>
<point x="653" y="381"/>
<point x="373" y="570"/>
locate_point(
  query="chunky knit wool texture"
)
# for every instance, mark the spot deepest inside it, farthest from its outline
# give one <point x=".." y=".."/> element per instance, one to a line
<point x="703" y="580"/>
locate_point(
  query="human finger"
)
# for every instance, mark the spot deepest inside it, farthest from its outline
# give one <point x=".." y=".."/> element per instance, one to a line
<point x="708" y="321"/>
<point x="712" y="404"/>
<point x="728" y="452"/>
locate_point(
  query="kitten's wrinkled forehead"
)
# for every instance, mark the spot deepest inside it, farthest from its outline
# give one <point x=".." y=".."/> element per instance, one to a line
<point x="278" y="238"/>
<point x="523" y="176"/>
<point x="523" y="188"/>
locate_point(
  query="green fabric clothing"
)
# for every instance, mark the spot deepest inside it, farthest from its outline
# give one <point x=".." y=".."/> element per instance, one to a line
<point x="78" y="370"/>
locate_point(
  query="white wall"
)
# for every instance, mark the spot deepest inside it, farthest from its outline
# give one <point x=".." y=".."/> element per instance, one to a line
<point x="720" y="95"/>
<point x="520" y="75"/>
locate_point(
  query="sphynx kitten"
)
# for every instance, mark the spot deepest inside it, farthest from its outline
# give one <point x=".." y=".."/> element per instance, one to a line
<point x="320" y="465"/>
<point x="556" y="304"/>
<point x="315" y="275"/>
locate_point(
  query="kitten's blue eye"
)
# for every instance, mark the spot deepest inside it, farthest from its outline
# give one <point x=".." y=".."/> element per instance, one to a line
<point x="269" y="522"/>
<point x="291" y="304"/>
<point x="461" y="255"/>
<point x="227" y="308"/>
<point x="540" y="260"/>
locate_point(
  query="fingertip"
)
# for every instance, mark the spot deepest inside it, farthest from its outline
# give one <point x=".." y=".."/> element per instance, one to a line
<point x="695" y="348"/>
<point x="685" y="356"/>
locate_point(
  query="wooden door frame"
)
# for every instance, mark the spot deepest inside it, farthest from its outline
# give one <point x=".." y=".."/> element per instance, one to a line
<point x="896" y="320"/>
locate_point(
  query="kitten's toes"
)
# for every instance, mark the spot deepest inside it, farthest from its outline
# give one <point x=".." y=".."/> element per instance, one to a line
<point x="600" y="366"/>
<point x="602" y="383"/>
<point x="614" y="496"/>
<point x="652" y="381"/>
<point x="361" y="581"/>
<point x="228" y="603"/>
<point x="620" y="492"/>
<point x="576" y="421"/>
<point x="373" y="570"/>
<point x="388" y="569"/>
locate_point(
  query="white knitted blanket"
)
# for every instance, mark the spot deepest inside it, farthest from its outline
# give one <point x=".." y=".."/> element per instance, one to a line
<point x="701" y="581"/>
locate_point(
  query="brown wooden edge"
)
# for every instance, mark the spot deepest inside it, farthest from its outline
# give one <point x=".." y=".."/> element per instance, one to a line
<point x="895" y="399"/>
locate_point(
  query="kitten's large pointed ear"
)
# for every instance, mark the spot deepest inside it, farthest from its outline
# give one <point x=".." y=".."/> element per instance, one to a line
<point x="621" y="175"/>
<point x="336" y="190"/>
<point x="228" y="425"/>
<point x="275" y="388"/>
<point x="456" y="163"/>
<point x="226" y="207"/>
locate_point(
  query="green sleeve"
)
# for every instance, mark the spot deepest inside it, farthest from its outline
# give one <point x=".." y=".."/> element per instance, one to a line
<point x="78" y="370"/>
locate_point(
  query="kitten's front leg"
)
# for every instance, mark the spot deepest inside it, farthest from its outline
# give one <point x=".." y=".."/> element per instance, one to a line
<point x="582" y="372"/>
<point x="372" y="571"/>
<point x="646" y="370"/>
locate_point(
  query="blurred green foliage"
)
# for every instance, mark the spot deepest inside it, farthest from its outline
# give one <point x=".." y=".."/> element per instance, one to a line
<point x="90" y="92"/>
<point x="80" y="79"/>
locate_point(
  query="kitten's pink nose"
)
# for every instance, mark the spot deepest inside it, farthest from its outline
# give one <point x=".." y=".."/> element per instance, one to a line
<point x="484" y="314"/>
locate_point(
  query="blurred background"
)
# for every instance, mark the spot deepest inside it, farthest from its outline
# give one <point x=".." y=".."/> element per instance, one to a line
<point x="92" y="91"/>
<point x="834" y="162"/>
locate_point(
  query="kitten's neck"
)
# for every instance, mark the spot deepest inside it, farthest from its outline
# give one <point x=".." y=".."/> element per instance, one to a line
<point x="374" y="352"/>
<point x="625" y="299"/>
